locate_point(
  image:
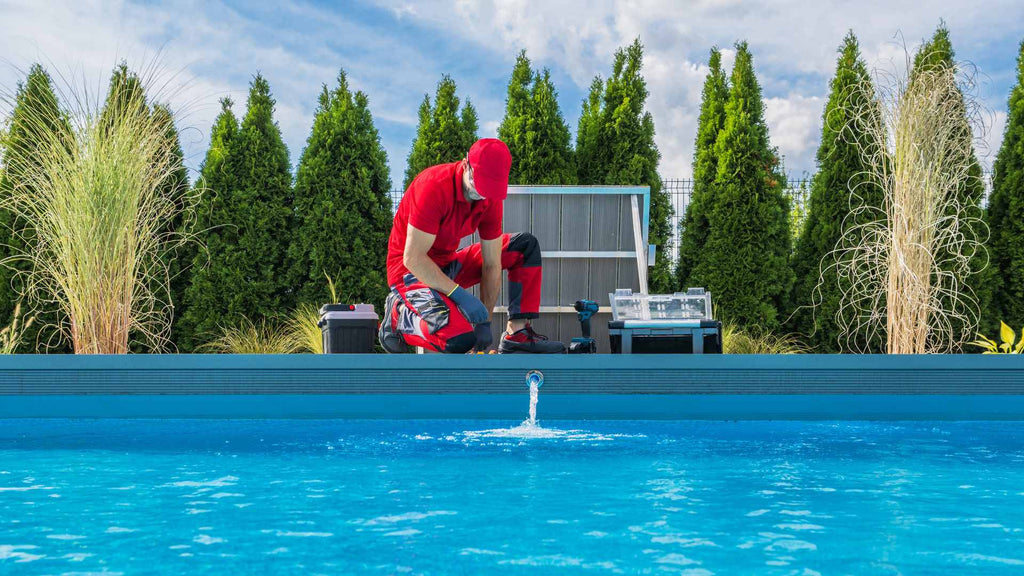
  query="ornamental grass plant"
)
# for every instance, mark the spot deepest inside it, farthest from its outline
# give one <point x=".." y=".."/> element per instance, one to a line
<point x="92" y="194"/>
<point x="904" y="267"/>
<point x="12" y="335"/>
<point x="738" y="340"/>
<point x="304" y="325"/>
<point x="265" y="337"/>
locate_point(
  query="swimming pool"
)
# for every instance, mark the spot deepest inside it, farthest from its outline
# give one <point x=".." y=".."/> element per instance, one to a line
<point x="462" y="497"/>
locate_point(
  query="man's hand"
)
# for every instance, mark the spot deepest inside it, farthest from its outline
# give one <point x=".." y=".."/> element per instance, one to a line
<point x="484" y="338"/>
<point x="471" y="306"/>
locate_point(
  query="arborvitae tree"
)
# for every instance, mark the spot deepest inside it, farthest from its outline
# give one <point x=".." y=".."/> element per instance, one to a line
<point x="590" y="154"/>
<point x="342" y="204"/>
<point x="126" y="89"/>
<point x="616" y="136"/>
<point x="251" y="221"/>
<point x="444" y="134"/>
<point x="839" y="186"/>
<point x="934" y="54"/>
<point x="1006" y="215"/>
<point x="551" y="160"/>
<point x="534" y="129"/>
<point x="211" y="189"/>
<point x="35" y="108"/>
<point x="178" y="229"/>
<point x="694" y="226"/>
<point x="745" y="261"/>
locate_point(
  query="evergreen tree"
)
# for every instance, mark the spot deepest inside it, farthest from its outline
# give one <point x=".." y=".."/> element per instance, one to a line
<point x="841" y="170"/>
<point x="694" y="226"/>
<point x="745" y="261"/>
<point x="1006" y="215"/>
<point x="937" y="53"/>
<point x="251" y="224"/>
<point x="178" y="257"/>
<point x="168" y="283"/>
<point x="35" y="108"/>
<point x="444" y="133"/>
<point x="126" y="90"/>
<point x="342" y="204"/>
<point x="534" y="129"/>
<point x="590" y="154"/>
<point x="211" y="188"/>
<point x="616" y="147"/>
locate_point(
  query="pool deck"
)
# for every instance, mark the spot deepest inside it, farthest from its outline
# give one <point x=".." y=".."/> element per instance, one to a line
<point x="819" y="387"/>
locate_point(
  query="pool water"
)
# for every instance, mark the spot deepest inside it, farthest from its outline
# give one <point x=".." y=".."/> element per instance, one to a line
<point x="473" y="497"/>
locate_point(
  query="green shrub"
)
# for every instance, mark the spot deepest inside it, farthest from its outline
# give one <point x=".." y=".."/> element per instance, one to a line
<point x="1005" y="210"/>
<point x="534" y="129"/>
<point x="615" y="146"/>
<point x="694" y="225"/>
<point x="342" y="204"/>
<point x="745" y="260"/>
<point x="839" y="186"/>
<point x="444" y="133"/>
<point x="249" y="226"/>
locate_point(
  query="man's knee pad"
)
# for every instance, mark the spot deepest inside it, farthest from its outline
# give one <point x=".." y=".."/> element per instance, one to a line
<point x="460" y="344"/>
<point x="526" y="244"/>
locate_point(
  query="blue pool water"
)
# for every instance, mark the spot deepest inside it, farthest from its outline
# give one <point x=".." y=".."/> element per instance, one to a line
<point x="448" y="497"/>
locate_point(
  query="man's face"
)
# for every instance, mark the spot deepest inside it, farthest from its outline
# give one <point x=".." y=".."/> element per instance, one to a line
<point x="469" y="187"/>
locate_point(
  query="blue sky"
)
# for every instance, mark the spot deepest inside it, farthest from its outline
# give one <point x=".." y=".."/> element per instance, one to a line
<point x="396" y="51"/>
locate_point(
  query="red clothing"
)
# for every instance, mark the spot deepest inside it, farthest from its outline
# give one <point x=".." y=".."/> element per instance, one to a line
<point x="434" y="203"/>
<point x="429" y="319"/>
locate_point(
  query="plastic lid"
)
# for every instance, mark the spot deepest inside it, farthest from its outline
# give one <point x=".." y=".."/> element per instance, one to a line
<point x="348" y="311"/>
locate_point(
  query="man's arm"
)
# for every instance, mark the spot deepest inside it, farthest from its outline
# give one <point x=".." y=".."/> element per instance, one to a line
<point x="490" y="277"/>
<point x="416" y="260"/>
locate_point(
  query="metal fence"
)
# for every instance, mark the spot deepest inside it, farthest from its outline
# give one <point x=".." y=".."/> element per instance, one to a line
<point x="679" y="191"/>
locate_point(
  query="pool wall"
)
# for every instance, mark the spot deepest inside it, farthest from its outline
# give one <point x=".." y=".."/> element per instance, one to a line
<point x="841" y="387"/>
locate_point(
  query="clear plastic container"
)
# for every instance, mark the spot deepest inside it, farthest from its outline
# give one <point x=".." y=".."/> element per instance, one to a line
<point x="695" y="304"/>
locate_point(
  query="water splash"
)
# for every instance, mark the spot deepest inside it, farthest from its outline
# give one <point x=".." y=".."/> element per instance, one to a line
<point x="532" y="419"/>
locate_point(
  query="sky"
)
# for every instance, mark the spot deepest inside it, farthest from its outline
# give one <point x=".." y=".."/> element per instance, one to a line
<point x="197" y="52"/>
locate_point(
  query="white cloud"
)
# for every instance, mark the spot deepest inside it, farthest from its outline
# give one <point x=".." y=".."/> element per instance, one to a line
<point x="794" y="45"/>
<point x="299" y="46"/>
<point x="794" y="125"/>
<point x="217" y="51"/>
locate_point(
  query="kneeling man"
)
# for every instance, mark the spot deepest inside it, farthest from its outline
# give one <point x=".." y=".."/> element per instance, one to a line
<point x="428" y="305"/>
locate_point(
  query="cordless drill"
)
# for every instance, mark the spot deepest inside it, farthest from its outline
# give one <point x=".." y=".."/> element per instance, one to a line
<point x="585" y="309"/>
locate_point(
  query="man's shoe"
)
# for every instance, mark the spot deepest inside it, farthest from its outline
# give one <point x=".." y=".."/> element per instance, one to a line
<point x="390" y="340"/>
<point x="526" y="341"/>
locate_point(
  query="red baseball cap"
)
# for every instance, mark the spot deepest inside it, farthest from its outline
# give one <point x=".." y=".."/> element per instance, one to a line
<point x="491" y="162"/>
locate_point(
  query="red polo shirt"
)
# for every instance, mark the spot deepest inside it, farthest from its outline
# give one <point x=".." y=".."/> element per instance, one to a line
<point x="434" y="203"/>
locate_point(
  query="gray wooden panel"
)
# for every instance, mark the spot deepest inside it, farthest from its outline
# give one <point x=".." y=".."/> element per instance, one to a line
<point x="575" y="222"/>
<point x="603" y="279"/>
<point x="517" y="213"/>
<point x="575" y="278"/>
<point x="604" y="222"/>
<point x="546" y="222"/>
<point x="627" y="277"/>
<point x="547" y="325"/>
<point x="568" y="327"/>
<point x="550" y="279"/>
<point x="599" y="332"/>
<point x="625" y="224"/>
